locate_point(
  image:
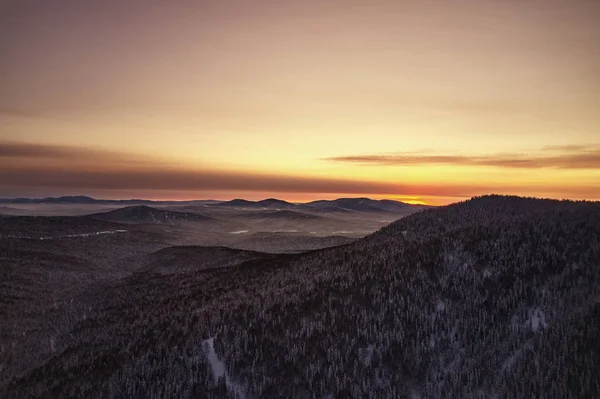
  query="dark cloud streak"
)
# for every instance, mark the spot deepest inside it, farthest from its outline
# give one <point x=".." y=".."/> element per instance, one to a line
<point x="200" y="180"/>
<point x="19" y="152"/>
<point x="567" y="157"/>
<point x="197" y="180"/>
<point x="67" y="168"/>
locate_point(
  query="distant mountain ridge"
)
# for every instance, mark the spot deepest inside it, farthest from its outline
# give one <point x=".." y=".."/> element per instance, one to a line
<point x="238" y="202"/>
<point x="81" y="199"/>
<point x="269" y="203"/>
<point x="361" y="204"/>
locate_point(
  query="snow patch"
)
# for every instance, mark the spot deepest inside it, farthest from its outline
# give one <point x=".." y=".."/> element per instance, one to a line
<point x="512" y="358"/>
<point x="440" y="305"/>
<point x="536" y="319"/>
<point x="238" y="232"/>
<point x="97" y="233"/>
<point x="366" y="354"/>
<point x="219" y="369"/>
<point x="453" y="333"/>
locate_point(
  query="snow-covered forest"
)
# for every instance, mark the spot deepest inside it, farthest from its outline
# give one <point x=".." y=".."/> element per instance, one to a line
<point x="495" y="297"/>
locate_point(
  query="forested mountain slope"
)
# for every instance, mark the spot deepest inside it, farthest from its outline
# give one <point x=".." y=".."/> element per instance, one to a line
<point x="146" y="214"/>
<point x="493" y="297"/>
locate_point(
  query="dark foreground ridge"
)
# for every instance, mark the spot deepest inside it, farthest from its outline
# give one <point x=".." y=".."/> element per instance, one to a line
<point x="492" y="297"/>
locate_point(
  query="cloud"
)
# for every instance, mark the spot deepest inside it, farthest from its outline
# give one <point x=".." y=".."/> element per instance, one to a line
<point x="73" y="169"/>
<point x="18" y="152"/>
<point x="568" y="148"/>
<point x="165" y="179"/>
<point x="180" y="179"/>
<point x="562" y="157"/>
<point x="27" y="165"/>
<point x="20" y="112"/>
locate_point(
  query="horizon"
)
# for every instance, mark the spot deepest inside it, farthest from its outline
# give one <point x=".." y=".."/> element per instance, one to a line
<point x="258" y="199"/>
<point x="254" y="199"/>
<point x="420" y="101"/>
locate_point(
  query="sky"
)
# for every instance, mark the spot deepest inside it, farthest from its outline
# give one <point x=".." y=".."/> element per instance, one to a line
<point x="423" y="101"/>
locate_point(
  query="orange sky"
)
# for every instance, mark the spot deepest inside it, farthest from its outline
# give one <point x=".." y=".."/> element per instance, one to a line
<point x="430" y="101"/>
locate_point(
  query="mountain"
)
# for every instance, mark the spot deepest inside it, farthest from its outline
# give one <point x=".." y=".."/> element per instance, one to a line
<point x="275" y="203"/>
<point x="359" y="205"/>
<point x="240" y="203"/>
<point x="270" y="203"/>
<point x="39" y="228"/>
<point x="80" y="199"/>
<point x="289" y="242"/>
<point x="395" y="206"/>
<point x="338" y="205"/>
<point x="194" y="258"/>
<point x="146" y="214"/>
<point x="69" y="200"/>
<point x="492" y="297"/>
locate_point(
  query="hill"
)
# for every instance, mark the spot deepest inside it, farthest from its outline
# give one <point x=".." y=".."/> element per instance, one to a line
<point x="35" y="227"/>
<point x="146" y="214"/>
<point x="289" y="242"/>
<point x="359" y="205"/>
<point x="270" y="203"/>
<point x="276" y="204"/>
<point x="81" y="199"/>
<point x="492" y="297"/>
<point x="241" y="203"/>
<point x="194" y="258"/>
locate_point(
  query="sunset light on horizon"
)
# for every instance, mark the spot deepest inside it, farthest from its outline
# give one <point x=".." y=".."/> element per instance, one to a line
<point x="427" y="102"/>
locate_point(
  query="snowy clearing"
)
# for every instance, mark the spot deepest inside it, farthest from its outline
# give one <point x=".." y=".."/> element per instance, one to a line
<point x="219" y="369"/>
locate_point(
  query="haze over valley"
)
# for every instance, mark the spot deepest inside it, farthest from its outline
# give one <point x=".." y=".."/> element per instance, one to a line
<point x="269" y="225"/>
